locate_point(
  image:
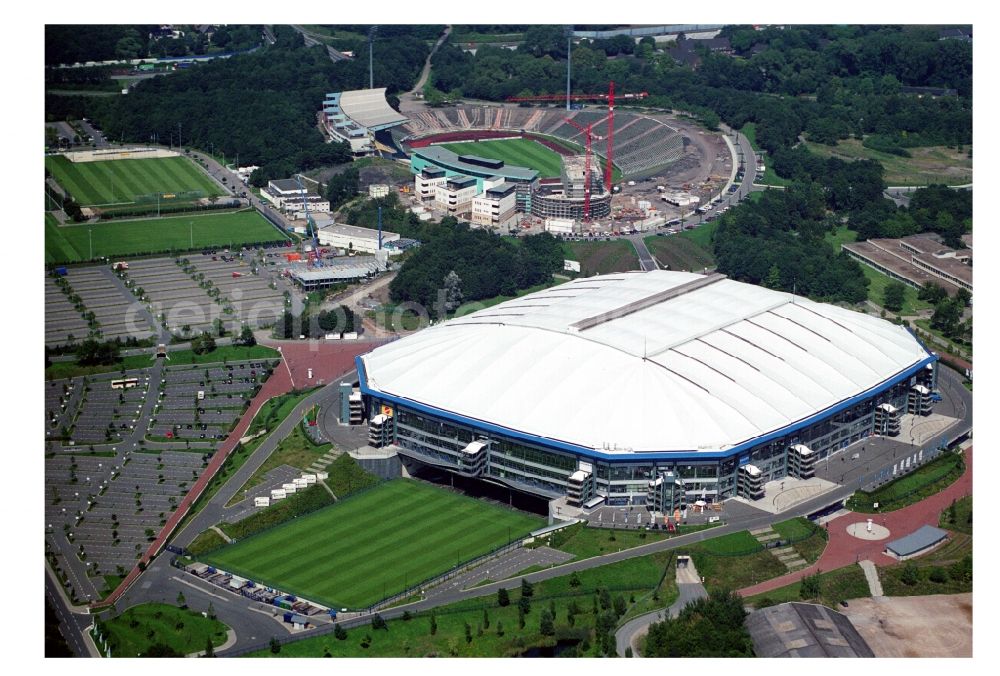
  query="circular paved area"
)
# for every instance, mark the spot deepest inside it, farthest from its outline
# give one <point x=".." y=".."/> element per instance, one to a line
<point x="843" y="550"/>
<point x="860" y="531"/>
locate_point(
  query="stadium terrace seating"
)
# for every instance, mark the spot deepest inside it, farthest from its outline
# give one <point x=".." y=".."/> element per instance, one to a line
<point x="641" y="143"/>
<point x="637" y="126"/>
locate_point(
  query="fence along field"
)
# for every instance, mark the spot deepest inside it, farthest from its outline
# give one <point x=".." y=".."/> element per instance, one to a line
<point x="374" y="544"/>
<point x="72" y="243"/>
<point x="118" y="182"/>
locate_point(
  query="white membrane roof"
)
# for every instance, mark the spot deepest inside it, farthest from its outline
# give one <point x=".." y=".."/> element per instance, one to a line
<point x="642" y="362"/>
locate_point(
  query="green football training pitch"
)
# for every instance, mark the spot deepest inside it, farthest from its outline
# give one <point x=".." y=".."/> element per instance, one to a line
<point x="72" y="243"/>
<point x="380" y="542"/>
<point x="516" y="152"/>
<point x="122" y="181"/>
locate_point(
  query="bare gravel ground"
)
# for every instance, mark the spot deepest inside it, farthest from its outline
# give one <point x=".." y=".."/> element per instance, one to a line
<point x="915" y="626"/>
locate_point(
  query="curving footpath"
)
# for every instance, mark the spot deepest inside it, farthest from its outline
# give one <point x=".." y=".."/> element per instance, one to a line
<point x="844" y="549"/>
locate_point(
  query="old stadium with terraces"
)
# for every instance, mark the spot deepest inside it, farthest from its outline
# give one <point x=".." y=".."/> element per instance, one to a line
<point x="643" y="143"/>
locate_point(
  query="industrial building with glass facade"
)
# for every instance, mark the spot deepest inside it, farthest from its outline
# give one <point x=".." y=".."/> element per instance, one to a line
<point x="645" y="389"/>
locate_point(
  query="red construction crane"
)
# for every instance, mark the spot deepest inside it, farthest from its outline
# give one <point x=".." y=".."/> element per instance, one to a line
<point x="610" y="98"/>
<point x="588" y="132"/>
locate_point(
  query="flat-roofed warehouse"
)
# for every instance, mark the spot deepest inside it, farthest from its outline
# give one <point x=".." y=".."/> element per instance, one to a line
<point x="628" y="377"/>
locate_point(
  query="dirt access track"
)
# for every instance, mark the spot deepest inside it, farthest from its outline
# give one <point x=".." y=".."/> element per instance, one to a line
<point x="915" y="626"/>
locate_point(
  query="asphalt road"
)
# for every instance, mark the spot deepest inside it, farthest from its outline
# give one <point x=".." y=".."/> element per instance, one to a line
<point x="627" y="633"/>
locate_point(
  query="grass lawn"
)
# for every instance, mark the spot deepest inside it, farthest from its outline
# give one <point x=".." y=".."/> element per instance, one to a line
<point x="205" y="542"/>
<point x="750" y="131"/>
<point x="585" y="542"/>
<point x="355" y="552"/>
<point x="72" y="243"/>
<point x="876" y="291"/>
<point x="702" y="235"/>
<point x="951" y="561"/>
<point x="963" y="516"/>
<point x="394" y="318"/>
<point x="809" y="539"/>
<point x="929" y="479"/>
<point x="935" y="164"/>
<point x="184" y="631"/>
<point x="677" y="252"/>
<point x="494" y="629"/>
<point x="276" y="409"/>
<point x="733" y="561"/>
<point x="770" y="178"/>
<point x="122" y="181"/>
<point x="516" y="152"/>
<point x="296" y="450"/>
<point x="70" y="369"/>
<point x="601" y="258"/>
<point x="841" y="235"/>
<point x="837" y="585"/>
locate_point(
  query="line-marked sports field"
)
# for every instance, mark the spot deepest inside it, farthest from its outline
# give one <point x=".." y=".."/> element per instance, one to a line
<point x="127" y="181"/>
<point x="356" y="552"/>
<point x="516" y="152"/>
<point x="73" y="243"/>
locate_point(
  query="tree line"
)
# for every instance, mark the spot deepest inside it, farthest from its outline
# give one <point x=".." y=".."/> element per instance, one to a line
<point x="485" y="264"/>
<point x="829" y="82"/>
<point x="66" y="44"/>
<point x="260" y="106"/>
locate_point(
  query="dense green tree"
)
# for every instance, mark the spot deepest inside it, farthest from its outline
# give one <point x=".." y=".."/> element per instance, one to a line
<point x="707" y="627"/>
<point x="91" y="352"/>
<point x="203" y="344"/>
<point x="893" y="296"/>
<point x="503" y="597"/>
<point x="932" y="293"/>
<point x="246" y="336"/>
<point x="546" y="624"/>
<point x="342" y="188"/>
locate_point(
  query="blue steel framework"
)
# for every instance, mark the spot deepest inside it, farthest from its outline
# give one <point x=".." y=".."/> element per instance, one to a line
<point x="542" y="466"/>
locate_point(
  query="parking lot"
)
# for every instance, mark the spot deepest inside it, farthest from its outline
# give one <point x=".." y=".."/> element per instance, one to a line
<point x="253" y="299"/>
<point x="120" y="513"/>
<point x="173" y="295"/>
<point x="91" y="410"/>
<point x="200" y="290"/>
<point x="63" y="322"/>
<point x="196" y="402"/>
<point x="116" y="310"/>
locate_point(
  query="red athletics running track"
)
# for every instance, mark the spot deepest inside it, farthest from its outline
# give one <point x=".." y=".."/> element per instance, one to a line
<point x="843" y="549"/>
<point x="328" y="361"/>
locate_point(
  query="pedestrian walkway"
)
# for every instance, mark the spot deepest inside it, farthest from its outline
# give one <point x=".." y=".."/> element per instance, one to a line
<point x="321" y="464"/>
<point x="843" y="549"/>
<point x="871" y="574"/>
<point x="791" y="559"/>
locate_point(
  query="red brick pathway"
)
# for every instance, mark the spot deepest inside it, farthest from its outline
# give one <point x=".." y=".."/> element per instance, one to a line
<point x="843" y="549"/>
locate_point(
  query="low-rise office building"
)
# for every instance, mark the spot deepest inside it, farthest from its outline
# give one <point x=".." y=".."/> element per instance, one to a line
<point x="354" y="238"/>
<point x="495" y="206"/>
